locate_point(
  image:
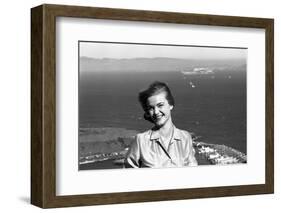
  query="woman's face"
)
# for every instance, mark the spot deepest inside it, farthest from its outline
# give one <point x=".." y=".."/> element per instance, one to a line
<point x="159" y="109"/>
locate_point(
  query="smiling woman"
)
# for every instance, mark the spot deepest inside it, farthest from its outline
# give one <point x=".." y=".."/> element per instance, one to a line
<point x="164" y="145"/>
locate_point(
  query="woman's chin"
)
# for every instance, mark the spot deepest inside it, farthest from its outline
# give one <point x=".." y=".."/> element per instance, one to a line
<point x="159" y="124"/>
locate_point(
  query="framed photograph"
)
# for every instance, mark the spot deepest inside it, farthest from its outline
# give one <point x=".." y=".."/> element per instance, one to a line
<point x="136" y="106"/>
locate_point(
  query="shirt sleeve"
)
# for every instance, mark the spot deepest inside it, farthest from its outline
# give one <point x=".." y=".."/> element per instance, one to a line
<point x="190" y="160"/>
<point x="132" y="159"/>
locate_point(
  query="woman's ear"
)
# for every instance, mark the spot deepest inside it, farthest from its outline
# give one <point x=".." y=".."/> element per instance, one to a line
<point x="171" y="107"/>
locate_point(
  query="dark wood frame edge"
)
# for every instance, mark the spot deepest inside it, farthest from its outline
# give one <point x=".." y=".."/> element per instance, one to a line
<point x="43" y="105"/>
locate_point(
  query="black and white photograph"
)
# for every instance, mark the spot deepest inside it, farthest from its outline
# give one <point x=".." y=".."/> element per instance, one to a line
<point x="139" y="105"/>
<point x="161" y="105"/>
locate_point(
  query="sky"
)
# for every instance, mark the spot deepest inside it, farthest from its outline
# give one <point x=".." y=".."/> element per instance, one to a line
<point x="126" y="50"/>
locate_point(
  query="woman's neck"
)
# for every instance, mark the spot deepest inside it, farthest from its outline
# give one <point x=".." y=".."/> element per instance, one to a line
<point x="167" y="130"/>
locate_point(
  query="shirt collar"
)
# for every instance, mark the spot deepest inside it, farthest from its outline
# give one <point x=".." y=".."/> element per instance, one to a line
<point x="154" y="135"/>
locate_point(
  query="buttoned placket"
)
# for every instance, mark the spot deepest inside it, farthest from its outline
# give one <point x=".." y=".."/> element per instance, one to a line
<point x="166" y="151"/>
<point x="163" y="148"/>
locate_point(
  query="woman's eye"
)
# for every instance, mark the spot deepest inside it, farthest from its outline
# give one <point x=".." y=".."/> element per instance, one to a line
<point x="160" y="105"/>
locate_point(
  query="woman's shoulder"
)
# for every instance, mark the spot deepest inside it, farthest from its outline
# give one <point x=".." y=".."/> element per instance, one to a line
<point x="144" y="135"/>
<point x="183" y="133"/>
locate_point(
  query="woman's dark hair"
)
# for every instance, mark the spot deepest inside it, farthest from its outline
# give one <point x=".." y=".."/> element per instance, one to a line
<point x="154" y="89"/>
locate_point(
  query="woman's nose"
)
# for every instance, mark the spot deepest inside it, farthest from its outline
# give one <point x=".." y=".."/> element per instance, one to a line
<point x="156" y="110"/>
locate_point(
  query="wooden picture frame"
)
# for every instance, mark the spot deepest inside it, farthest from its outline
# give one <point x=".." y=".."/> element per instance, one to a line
<point x="43" y="105"/>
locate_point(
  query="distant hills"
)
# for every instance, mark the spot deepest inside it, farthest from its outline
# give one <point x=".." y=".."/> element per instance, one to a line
<point x="157" y="64"/>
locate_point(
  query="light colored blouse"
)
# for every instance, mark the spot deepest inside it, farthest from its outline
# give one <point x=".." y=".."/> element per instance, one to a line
<point x="148" y="151"/>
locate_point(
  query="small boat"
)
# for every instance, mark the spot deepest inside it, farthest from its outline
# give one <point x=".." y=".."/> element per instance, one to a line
<point x="191" y="84"/>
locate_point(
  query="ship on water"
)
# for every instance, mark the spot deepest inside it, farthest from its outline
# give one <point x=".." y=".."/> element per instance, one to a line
<point x="198" y="71"/>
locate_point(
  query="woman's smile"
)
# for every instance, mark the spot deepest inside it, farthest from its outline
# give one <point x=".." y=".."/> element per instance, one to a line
<point x="157" y="118"/>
